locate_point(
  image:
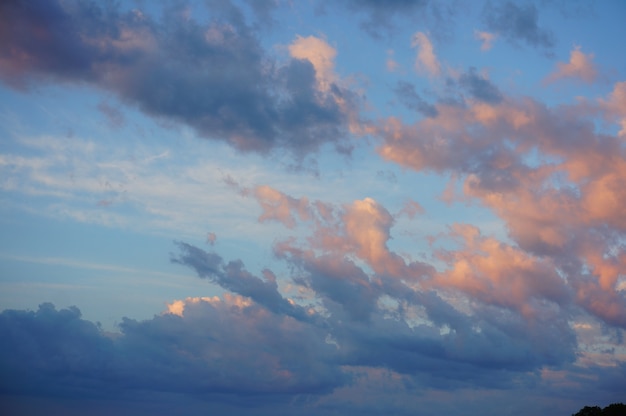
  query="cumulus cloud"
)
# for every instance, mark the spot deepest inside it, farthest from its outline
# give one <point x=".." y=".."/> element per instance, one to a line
<point x="493" y="315"/>
<point x="210" y="347"/>
<point x="580" y="66"/>
<point x="549" y="207"/>
<point x="320" y="54"/>
<point x="426" y="60"/>
<point x="214" y="77"/>
<point x="344" y="312"/>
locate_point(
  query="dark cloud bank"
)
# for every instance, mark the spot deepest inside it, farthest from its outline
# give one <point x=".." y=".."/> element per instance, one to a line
<point x="258" y="351"/>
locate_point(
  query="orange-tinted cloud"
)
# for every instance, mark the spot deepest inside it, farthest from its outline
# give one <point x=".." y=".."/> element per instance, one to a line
<point x="497" y="273"/>
<point x="320" y="54"/>
<point x="280" y="207"/>
<point x="580" y="66"/>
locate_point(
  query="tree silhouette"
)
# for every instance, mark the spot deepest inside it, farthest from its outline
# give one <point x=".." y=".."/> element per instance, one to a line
<point x="615" y="409"/>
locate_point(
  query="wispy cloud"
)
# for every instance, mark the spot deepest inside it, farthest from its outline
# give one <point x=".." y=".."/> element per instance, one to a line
<point x="487" y="39"/>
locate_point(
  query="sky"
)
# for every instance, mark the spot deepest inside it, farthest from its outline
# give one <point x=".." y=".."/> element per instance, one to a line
<point x="272" y="207"/>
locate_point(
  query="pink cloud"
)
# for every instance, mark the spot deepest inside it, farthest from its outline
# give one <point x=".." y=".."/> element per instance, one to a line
<point x="391" y="64"/>
<point x="411" y="209"/>
<point x="554" y="180"/>
<point x="615" y="106"/>
<point x="486" y="38"/>
<point x="498" y="274"/>
<point x="320" y="54"/>
<point x="426" y="60"/>
<point x="580" y="66"/>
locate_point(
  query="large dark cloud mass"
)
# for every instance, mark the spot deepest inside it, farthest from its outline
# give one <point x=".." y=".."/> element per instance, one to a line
<point x="212" y="349"/>
<point x="213" y="76"/>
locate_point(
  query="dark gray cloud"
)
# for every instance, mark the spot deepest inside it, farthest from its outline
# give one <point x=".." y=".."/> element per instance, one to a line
<point x="254" y="353"/>
<point x="339" y="280"/>
<point x="214" y="77"/>
<point x="408" y="96"/>
<point x="366" y="334"/>
<point x="517" y="22"/>
<point x="234" y="277"/>
<point x="479" y="87"/>
<point x="212" y="349"/>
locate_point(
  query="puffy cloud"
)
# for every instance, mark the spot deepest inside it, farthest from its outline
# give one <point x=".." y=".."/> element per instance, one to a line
<point x="579" y="66"/>
<point x="550" y="204"/>
<point x="426" y="60"/>
<point x="213" y="77"/>
<point x="499" y="274"/>
<point x="209" y="347"/>
<point x="320" y="54"/>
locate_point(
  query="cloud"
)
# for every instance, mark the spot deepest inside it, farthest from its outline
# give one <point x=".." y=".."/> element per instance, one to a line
<point x="210" y="348"/>
<point x="114" y="117"/>
<point x="426" y="61"/>
<point x="517" y="23"/>
<point x="580" y="66"/>
<point x="382" y="17"/>
<point x="492" y="317"/>
<point x="391" y="64"/>
<point x="345" y="314"/>
<point x="486" y="38"/>
<point x="480" y="87"/>
<point x="615" y="106"/>
<point x="234" y="277"/>
<point x="499" y="274"/>
<point x="214" y="77"/>
<point x="320" y="54"/>
<point x="552" y="205"/>
<point x="412" y="100"/>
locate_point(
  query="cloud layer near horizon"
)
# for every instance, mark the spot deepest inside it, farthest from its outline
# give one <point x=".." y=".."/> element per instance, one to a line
<point x="343" y="320"/>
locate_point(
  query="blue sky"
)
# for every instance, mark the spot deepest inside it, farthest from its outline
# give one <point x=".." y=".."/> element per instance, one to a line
<point x="313" y="207"/>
